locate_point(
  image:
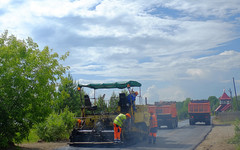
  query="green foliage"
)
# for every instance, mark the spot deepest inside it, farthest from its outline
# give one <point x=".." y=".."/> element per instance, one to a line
<point x="125" y="91"/>
<point x="101" y="105"/>
<point x="113" y="103"/>
<point x="214" y="103"/>
<point x="27" y="86"/>
<point x="236" y="138"/>
<point x="68" y="95"/>
<point x="182" y="109"/>
<point x="236" y="103"/>
<point x="32" y="137"/>
<point x="57" y="126"/>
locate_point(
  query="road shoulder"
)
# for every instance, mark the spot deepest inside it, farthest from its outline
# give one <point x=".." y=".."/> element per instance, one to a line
<point x="218" y="138"/>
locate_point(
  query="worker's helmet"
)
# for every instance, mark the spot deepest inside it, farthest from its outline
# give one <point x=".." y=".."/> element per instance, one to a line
<point x="128" y="115"/>
<point x="136" y="93"/>
<point x="151" y="111"/>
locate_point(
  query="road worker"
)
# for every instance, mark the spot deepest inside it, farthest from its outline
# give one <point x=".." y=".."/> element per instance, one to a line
<point x="118" y="124"/>
<point x="79" y="122"/>
<point x="131" y="99"/>
<point x="153" y="129"/>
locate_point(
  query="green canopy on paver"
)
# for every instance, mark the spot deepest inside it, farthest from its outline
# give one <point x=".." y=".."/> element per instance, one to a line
<point x="119" y="85"/>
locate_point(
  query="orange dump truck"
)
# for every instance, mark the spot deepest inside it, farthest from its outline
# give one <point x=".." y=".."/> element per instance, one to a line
<point x="199" y="111"/>
<point x="166" y="113"/>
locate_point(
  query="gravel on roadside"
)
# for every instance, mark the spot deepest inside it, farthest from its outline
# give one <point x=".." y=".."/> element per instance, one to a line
<point x="218" y="138"/>
<point x="42" y="145"/>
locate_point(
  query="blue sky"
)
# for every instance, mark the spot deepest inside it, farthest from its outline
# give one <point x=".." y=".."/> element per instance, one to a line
<point x="176" y="49"/>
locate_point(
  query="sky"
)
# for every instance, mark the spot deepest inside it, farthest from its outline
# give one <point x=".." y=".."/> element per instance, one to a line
<point x="177" y="49"/>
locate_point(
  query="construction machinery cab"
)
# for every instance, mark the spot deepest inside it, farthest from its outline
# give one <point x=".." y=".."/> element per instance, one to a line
<point x="123" y="103"/>
<point x="88" y="103"/>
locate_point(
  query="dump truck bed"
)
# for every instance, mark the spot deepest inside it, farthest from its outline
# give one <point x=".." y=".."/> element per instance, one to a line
<point x="199" y="106"/>
<point x="199" y="111"/>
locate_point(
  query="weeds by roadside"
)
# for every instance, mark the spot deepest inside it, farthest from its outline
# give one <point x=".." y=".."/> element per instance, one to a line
<point x="236" y="138"/>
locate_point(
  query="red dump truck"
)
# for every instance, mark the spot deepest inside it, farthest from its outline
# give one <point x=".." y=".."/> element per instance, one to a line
<point x="166" y="113"/>
<point x="199" y="111"/>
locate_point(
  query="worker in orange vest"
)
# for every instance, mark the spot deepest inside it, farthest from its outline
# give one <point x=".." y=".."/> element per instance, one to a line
<point x="153" y="129"/>
<point x="118" y="124"/>
<point x="80" y="123"/>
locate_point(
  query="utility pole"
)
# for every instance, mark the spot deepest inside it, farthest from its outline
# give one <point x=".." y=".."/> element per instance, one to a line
<point x="235" y="92"/>
<point x="230" y="91"/>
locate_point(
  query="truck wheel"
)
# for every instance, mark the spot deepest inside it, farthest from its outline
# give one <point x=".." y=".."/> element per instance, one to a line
<point x="176" y="122"/>
<point x="191" y="122"/>
<point x="207" y="122"/>
<point x="169" y="126"/>
<point x="159" y="126"/>
<point x="172" y="125"/>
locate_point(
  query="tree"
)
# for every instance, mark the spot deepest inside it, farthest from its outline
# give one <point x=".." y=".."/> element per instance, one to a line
<point x="182" y="109"/>
<point x="27" y="86"/>
<point x="101" y="105"/>
<point x="113" y="103"/>
<point x="236" y="103"/>
<point x="125" y="91"/>
<point x="69" y="96"/>
<point x="57" y="126"/>
<point x="214" y="103"/>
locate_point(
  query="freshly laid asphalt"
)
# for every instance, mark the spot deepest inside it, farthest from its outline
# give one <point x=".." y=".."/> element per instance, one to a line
<point x="185" y="137"/>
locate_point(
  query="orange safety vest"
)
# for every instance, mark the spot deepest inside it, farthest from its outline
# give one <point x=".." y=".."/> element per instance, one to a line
<point x="153" y="121"/>
<point x="79" y="122"/>
<point x="120" y="119"/>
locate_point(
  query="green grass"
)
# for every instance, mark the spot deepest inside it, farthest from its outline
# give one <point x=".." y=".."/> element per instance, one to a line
<point x="218" y="121"/>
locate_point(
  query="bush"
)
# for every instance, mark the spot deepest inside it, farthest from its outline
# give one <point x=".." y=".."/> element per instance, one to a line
<point x="57" y="126"/>
<point x="32" y="137"/>
<point x="236" y="138"/>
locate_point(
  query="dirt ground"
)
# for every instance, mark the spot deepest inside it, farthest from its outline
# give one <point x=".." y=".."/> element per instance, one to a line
<point x="218" y="138"/>
<point x="215" y="140"/>
<point x="42" y="145"/>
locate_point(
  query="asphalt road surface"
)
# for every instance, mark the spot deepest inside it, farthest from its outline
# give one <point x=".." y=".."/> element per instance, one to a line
<point x="185" y="137"/>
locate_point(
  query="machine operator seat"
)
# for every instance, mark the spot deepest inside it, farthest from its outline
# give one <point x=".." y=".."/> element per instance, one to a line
<point x="88" y="103"/>
<point x="123" y="103"/>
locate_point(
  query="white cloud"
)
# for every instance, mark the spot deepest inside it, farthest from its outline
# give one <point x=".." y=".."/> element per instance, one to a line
<point x="56" y="8"/>
<point x="229" y="53"/>
<point x="170" y="93"/>
<point x="219" y="8"/>
<point x="166" y="68"/>
<point x="97" y="30"/>
<point x="199" y="73"/>
<point x="4" y="3"/>
<point x="226" y="60"/>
